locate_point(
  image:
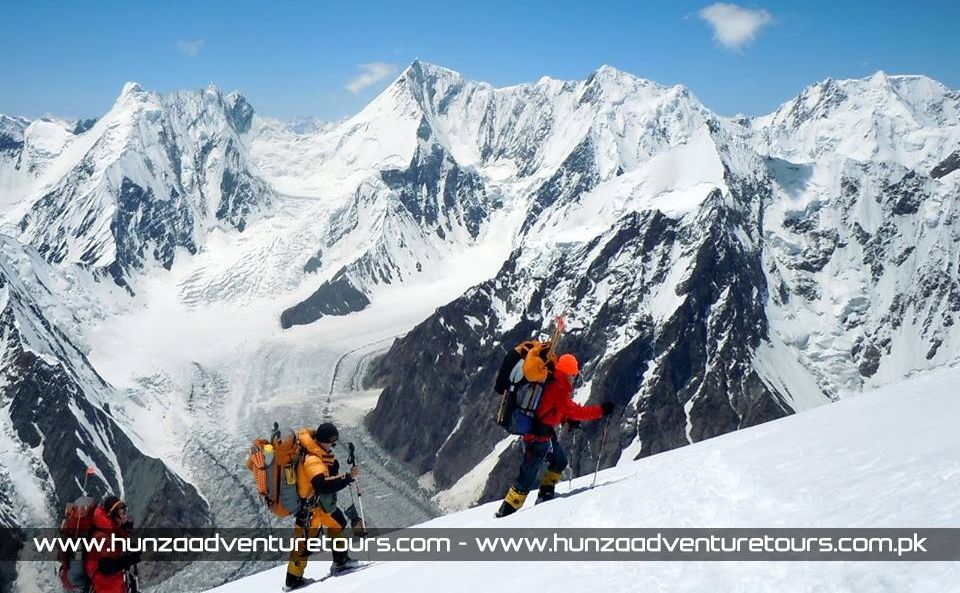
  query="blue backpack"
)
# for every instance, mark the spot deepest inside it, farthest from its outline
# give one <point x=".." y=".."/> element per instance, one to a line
<point x="519" y="396"/>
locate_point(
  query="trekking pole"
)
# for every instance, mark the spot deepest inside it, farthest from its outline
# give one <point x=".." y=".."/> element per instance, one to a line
<point x="603" y="438"/>
<point x="353" y="501"/>
<point x="352" y="460"/>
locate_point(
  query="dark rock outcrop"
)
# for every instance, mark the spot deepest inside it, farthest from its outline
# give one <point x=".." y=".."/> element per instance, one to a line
<point x="946" y="166"/>
<point x="334" y="297"/>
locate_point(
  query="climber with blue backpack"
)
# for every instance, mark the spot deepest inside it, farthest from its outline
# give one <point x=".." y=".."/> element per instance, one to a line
<point x="538" y="397"/>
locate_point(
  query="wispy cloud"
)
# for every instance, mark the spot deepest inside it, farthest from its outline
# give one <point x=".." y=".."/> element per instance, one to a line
<point x="190" y="48"/>
<point x="734" y="26"/>
<point x="370" y="74"/>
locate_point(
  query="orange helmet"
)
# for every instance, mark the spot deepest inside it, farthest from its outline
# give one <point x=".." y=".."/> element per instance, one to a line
<point x="567" y="364"/>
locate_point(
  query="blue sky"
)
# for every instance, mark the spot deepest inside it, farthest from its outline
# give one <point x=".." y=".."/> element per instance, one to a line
<point x="293" y="58"/>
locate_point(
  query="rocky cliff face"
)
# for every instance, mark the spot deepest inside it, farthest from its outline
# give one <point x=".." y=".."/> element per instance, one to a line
<point x="673" y="352"/>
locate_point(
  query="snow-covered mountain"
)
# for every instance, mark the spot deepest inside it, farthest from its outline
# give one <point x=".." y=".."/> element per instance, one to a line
<point x="716" y="273"/>
<point x="910" y="120"/>
<point x="883" y="459"/>
<point x="26" y="150"/>
<point x="432" y="160"/>
<point x="151" y="177"/>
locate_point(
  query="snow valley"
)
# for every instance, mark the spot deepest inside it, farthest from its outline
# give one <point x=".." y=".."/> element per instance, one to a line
<point x="181" y="270"/>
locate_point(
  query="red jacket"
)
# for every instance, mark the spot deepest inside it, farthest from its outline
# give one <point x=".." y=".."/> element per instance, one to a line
<point x="103" y="528"/>
<point x="557" y="406"/>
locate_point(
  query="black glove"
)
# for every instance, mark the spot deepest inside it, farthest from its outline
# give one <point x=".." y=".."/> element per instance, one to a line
<point x="109" y="565"/>
<point x="607" y="408"/>
<point x="573" y="424"/>
<point x="302" y="517"/>
<point x="127" y="525"/>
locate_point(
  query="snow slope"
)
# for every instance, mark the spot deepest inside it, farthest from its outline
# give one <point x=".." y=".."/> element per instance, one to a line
<point x="888" y="458"/>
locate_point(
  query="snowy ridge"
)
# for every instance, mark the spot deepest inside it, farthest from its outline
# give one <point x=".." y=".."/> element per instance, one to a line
<point x="910" y="120"/>
<point x="31" y="284"/>
<point x="883" y="459"/>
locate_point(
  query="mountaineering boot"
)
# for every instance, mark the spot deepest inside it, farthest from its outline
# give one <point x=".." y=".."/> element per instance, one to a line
<point x="295" y="582"/>
<point x="546" y="493"/>
<point x="512" y="502"/>
<point x="548" y="486"/>
<point x="345" y="566"/>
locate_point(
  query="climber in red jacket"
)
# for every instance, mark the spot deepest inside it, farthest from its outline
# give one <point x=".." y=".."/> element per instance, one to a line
<point x="541" y="444"/>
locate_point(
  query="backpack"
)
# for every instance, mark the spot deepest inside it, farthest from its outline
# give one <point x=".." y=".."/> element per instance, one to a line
<point x="77" y="524"/>
<point x="273" y="464"/>
<point x="520" y="383"/>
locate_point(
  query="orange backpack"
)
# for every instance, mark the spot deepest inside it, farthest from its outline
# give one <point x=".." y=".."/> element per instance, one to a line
<point x="273" y="464"/>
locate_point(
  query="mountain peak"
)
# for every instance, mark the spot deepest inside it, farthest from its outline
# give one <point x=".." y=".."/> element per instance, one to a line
<point x="607" y="75"/>
<point x="879" y="80"/>
<point x="608" y="71"/>
<point x="131" y="87"/>
<point x="420" y="71"/>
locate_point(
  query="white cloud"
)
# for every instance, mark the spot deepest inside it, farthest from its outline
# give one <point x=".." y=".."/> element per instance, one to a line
<point x="370" y="74"/>
<point x="190" y="48"/>
<point x="735" y="26"/>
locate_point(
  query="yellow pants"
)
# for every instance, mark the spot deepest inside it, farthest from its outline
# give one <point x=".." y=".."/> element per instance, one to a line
<point x="334" y="522"/>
